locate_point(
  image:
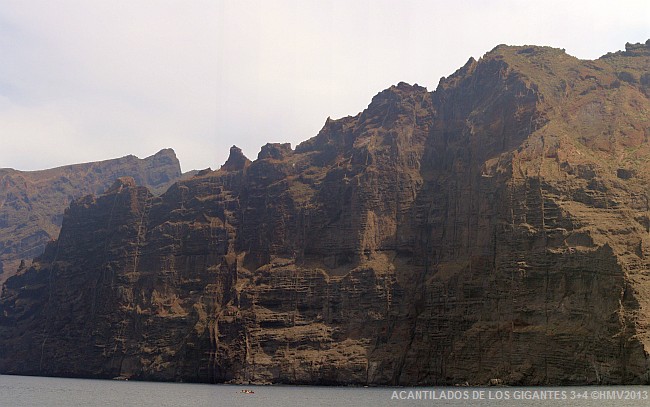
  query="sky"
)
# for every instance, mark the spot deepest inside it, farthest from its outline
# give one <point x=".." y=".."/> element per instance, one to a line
<point x="92" y="80"/>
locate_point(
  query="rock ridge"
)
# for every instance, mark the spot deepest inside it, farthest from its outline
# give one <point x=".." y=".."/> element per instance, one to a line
<point x="495" y="228"/>
<point x="32" y="202"/>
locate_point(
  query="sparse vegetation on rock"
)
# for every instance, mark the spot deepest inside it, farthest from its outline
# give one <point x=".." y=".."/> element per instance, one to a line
<point x="494" y="229"/>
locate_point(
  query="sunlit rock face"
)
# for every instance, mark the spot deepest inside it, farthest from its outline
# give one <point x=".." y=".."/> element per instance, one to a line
<point x="495" y="228"/>
<point x="32" y="202"/>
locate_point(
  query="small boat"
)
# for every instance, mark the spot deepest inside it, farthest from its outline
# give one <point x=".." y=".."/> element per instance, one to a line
<point x="246" y="391"/>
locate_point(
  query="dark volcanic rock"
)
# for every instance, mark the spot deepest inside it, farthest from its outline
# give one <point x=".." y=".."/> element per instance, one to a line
<point x="32" y="202"/>
<point x="496" y="228"/>
<point x="236" y="160"/>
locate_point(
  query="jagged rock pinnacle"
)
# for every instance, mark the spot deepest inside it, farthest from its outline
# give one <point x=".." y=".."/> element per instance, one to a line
<point x="397" y="247"/>
<point x="236" y="160"/>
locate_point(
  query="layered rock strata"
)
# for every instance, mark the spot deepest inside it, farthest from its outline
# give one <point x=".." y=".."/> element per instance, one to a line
<point x="496" y="228"/>
<point x="32" y="202"/>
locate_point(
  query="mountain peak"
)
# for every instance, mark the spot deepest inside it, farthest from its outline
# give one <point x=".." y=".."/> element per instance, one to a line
<point x="276" y="151"/>
<point x="169" y="152"/>
<point x="526" y="168"/>
<point x="236" y="160"/>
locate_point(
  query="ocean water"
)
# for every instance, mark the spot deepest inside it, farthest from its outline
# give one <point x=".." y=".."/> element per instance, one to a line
<point x="22" y="391"/>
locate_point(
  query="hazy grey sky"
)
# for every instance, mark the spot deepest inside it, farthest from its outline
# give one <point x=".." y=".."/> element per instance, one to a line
<point x="89" y="80"/>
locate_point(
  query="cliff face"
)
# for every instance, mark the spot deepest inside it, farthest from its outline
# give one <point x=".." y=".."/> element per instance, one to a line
<point x="32" y="202"/>
<point x="494" y="228"/>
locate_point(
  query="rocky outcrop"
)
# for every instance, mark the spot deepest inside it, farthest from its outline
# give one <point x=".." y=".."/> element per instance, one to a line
<point x="32" y="202"/>
<point x="496" y="228"/>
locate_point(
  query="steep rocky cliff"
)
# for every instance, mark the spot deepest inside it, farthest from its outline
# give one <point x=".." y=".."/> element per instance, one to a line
<point x="32" y="202"/>
<point x="495" y="228"/>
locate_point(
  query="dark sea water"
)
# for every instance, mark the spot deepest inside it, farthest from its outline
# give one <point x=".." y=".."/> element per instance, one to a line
<point x="21" y="391"/>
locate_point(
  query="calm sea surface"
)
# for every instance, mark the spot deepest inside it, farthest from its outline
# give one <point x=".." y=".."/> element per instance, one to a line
<point x="19" y="391"/>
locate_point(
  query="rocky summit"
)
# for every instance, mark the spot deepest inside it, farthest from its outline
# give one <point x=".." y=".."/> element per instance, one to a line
<point x="495" y="229"/>
<point x="32" y="202"/>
